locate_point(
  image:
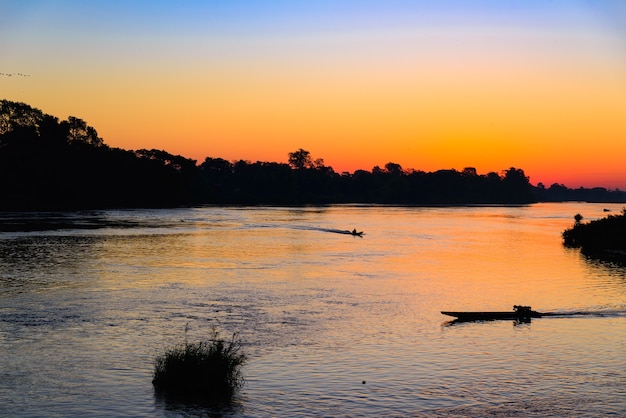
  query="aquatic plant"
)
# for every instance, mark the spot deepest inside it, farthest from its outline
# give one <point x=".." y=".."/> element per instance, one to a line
<point x="209" y="369"/>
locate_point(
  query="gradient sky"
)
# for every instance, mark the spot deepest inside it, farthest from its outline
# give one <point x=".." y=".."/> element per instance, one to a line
<point x="535" y="84"/>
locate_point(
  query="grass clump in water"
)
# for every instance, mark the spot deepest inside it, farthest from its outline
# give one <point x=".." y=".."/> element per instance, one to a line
<point x="209" y="369"/>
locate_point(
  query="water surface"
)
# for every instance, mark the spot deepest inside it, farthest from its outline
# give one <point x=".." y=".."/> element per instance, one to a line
<point x="87" y="300"/>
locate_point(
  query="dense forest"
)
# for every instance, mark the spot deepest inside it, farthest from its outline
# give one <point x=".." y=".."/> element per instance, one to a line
<point x="52" y="164"/>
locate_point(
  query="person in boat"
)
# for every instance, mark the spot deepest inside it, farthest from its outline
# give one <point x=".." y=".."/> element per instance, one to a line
<point x="354" y="231"/>
<point x="523" y="311"/>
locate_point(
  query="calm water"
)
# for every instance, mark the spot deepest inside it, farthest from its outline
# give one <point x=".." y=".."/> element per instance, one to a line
<point x="88" y="301"/>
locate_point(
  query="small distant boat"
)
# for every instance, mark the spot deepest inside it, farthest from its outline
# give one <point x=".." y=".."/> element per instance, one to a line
<point x="518" y="313"/>
<point x="353" y="232"/>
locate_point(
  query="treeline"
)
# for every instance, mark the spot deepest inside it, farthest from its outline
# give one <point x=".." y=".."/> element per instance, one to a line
<point x="560" y="193"/>
<point x="48" y="164"/>
<point x="314" y="183"/>
<point x="52" y="164"/>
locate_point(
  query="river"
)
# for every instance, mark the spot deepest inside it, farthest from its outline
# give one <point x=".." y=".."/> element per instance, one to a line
<point x="332" y="324"/>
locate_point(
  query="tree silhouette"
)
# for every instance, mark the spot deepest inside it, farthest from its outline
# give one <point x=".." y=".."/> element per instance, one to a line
<point x="300" y="159"/>
<point x="393" y="168"/>
<point x="79" y="131"/>
<point x="517" y="187"/>
<point x="15" y="115"/>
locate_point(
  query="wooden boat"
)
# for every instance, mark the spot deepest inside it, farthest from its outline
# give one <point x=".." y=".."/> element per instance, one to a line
<point x="518" y="313"/>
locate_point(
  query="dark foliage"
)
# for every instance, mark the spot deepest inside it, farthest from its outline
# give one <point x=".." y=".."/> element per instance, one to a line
<point x="602" y="235"/>
<point x="47" y="164"/>
<point x="274" y="183"/>
<point x="560" y="193"/>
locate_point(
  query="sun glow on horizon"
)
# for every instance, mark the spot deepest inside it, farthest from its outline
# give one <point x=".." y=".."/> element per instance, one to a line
<point x="458" y="84"/>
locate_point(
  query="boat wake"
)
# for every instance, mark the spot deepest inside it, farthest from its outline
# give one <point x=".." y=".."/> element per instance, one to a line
<point x="594" y="313"/>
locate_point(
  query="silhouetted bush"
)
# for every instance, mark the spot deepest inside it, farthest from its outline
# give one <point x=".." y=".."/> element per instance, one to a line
<point x="599" y="235"/>
<point x="209" y="369"/>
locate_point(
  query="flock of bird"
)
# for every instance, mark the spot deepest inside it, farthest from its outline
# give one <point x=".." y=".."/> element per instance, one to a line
<point x="15" y="74"/>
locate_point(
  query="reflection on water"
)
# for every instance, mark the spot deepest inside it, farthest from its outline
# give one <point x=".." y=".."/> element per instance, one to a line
<point x="186" y="407"/>
<point x="84" y="311"/>
<point x="49" y="261"/>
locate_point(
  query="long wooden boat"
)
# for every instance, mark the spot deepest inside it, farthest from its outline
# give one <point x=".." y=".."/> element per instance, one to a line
<point x="518" y="312"/>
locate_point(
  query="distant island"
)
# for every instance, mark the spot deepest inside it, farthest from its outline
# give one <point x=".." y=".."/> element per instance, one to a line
<point x="52" y="164"/>
<point x="604" y="238"/>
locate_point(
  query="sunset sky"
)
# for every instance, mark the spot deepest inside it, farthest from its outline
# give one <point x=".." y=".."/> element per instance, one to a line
<point x="534" y="84"/>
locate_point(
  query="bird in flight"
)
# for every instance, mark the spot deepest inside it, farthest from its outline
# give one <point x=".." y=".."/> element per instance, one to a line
<point x="15" y="74"/>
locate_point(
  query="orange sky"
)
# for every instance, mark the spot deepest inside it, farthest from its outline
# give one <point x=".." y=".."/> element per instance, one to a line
<point x="536" y="85"/>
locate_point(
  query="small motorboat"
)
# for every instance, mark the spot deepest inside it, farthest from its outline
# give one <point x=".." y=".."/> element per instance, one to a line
<point x="353" y="232"/>
<point x="519" y="312"/>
